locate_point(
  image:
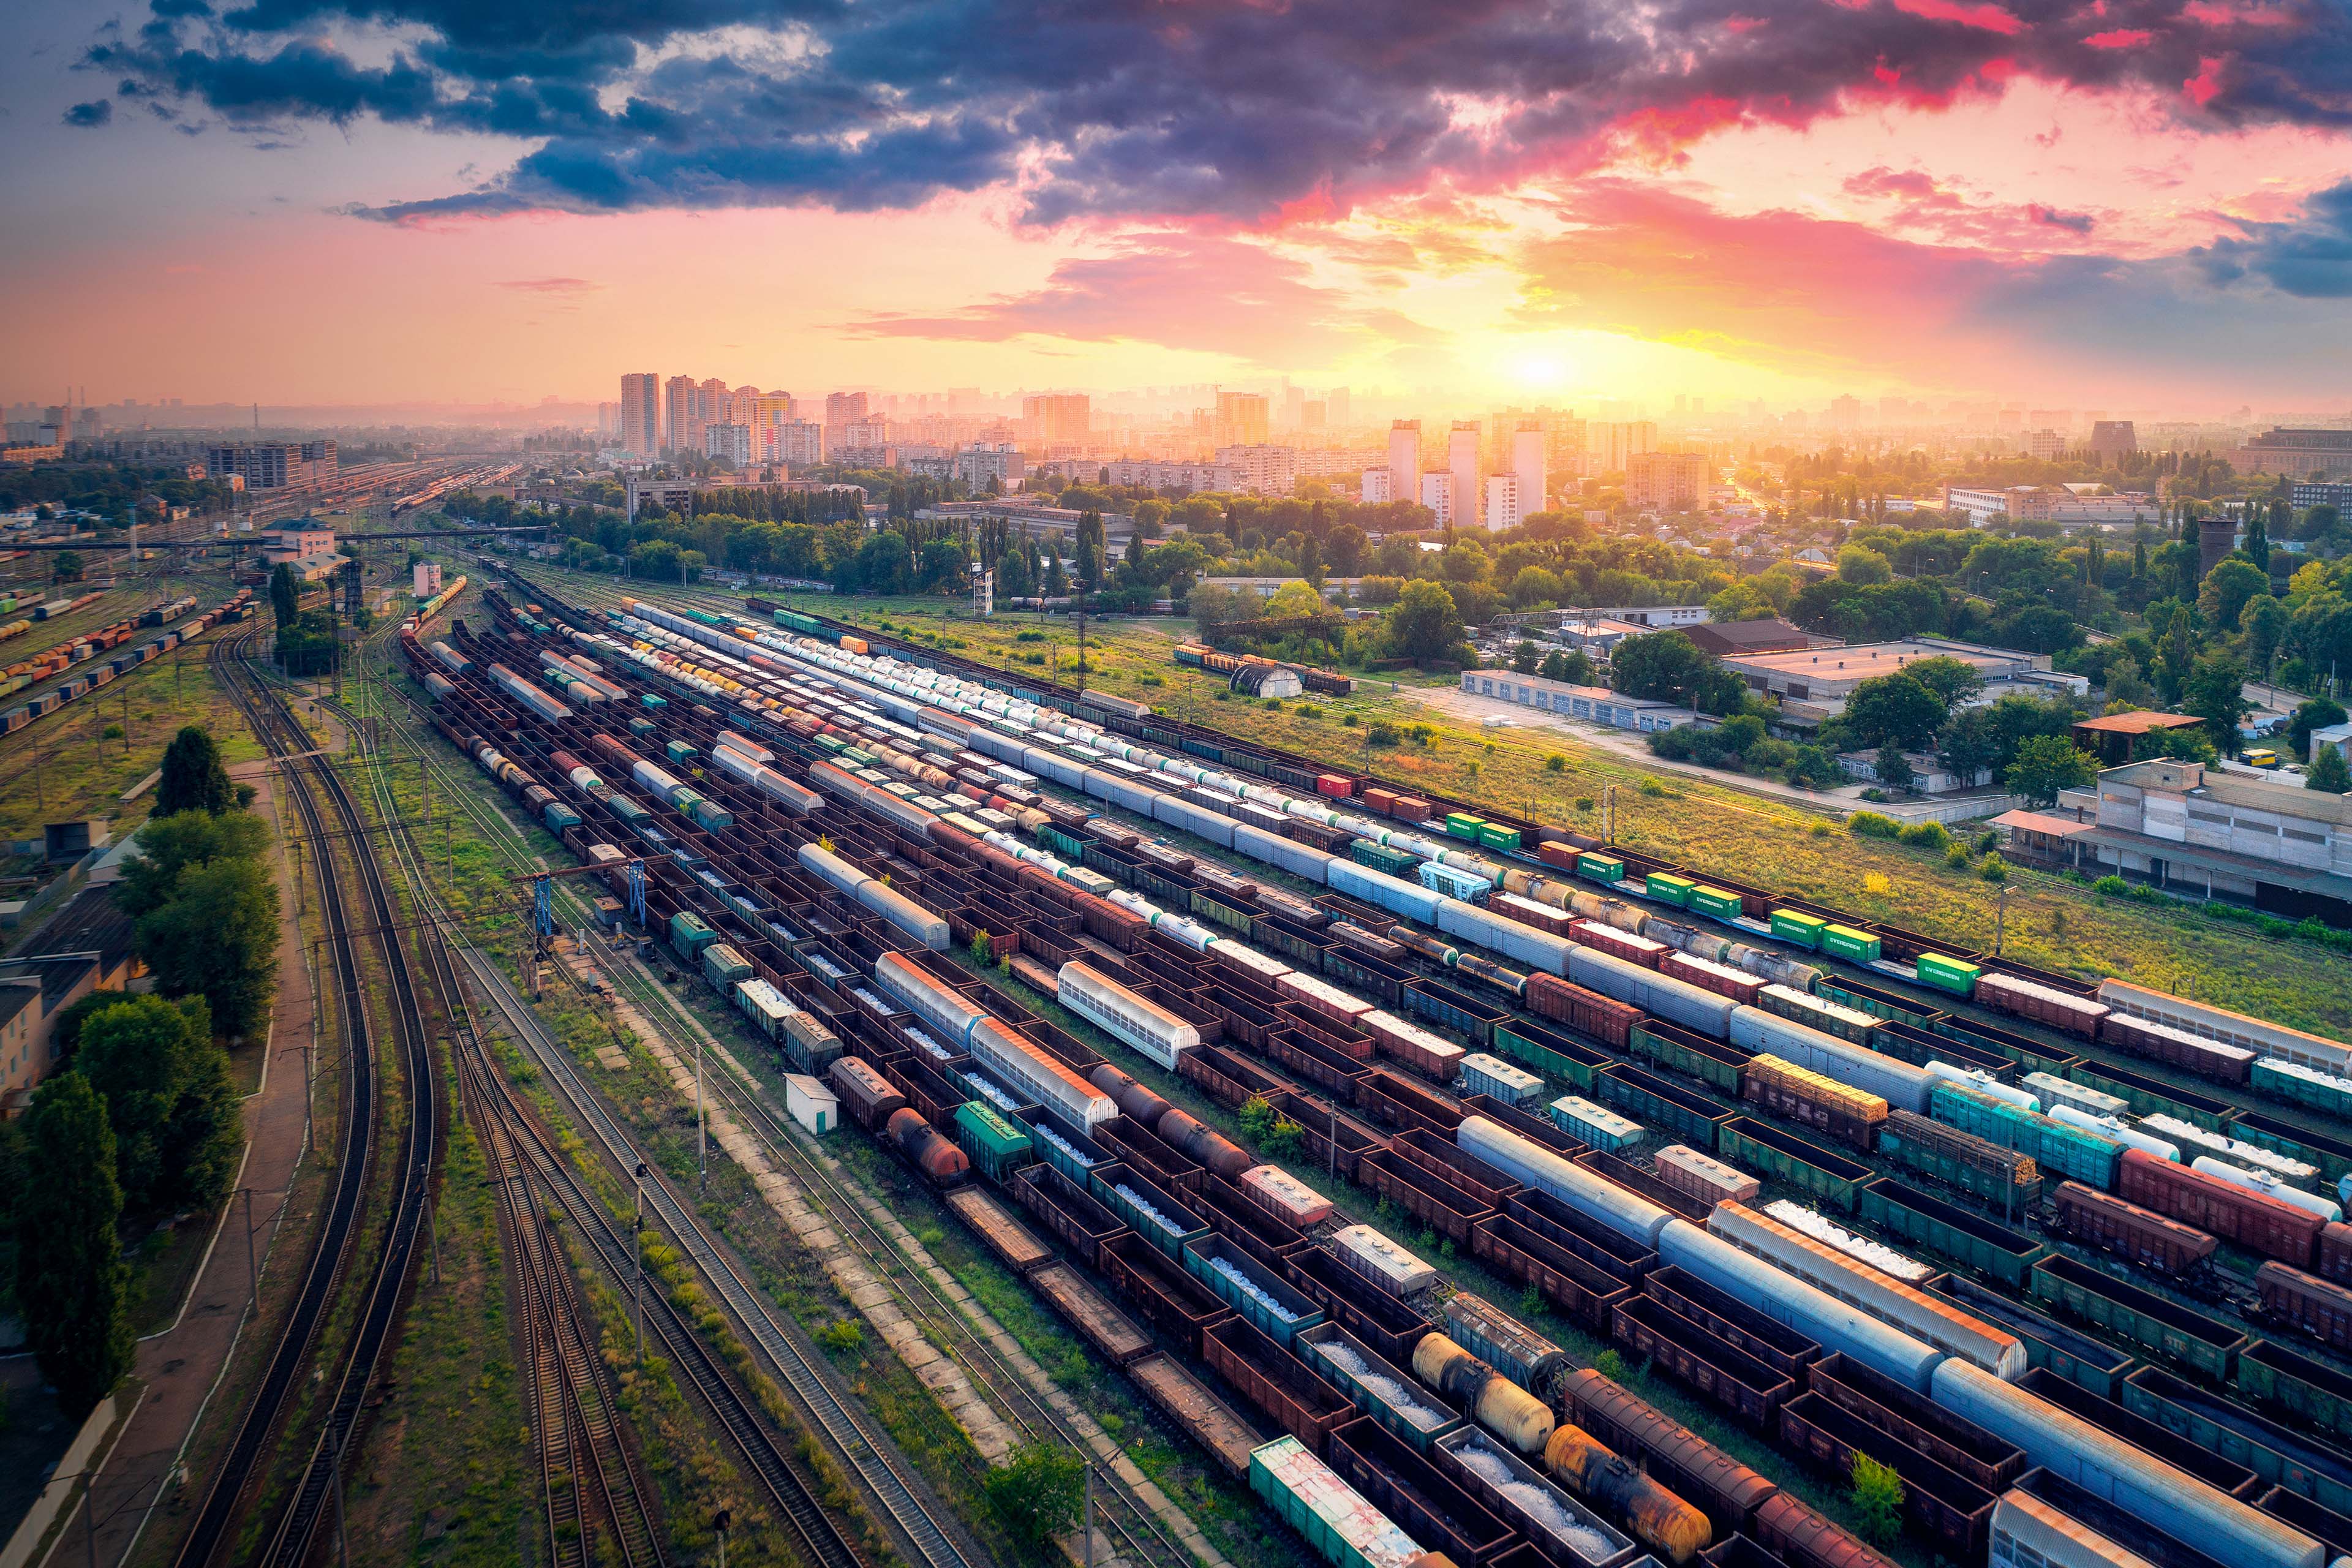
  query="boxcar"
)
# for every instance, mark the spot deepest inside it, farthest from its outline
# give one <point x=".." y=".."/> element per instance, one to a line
<point x="2155" y="1322"/>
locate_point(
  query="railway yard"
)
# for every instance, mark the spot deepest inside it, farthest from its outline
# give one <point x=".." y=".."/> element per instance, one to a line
<point x="1460" y="1186"/>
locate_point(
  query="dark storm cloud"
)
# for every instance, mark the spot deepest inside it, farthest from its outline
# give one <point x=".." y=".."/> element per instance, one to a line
<point x="1223" y="110"/>
<point x="95" y="114"/>
<point x="2310" y="257"/>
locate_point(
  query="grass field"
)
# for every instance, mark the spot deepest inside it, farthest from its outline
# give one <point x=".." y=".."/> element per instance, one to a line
<point x="2048" y="921"/>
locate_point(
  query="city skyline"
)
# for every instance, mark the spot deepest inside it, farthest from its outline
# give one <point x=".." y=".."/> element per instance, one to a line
<point x="2126" y="205"/>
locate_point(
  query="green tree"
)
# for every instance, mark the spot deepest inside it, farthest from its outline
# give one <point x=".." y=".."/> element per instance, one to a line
<point x="1857" y="564"/>
<point x="1893" y="770"/>
<point x="1667" y="667"/>
<point x="67" y="567"/>
<point x="1955" y="681"/>
<point x="1877" y="1498"/>
<point x="2215" y="692"/>
<point x="2264" y="621"/>
<point x="1090" y="550"/>
<point x="1038" y="1492"/>
<point x="169" y="846"/>
<point x="13" y="1176"/>
<point x="2046" y="764"/>
<point x="285" y="598"/>
<point x="2328" y="773"/>
<point x="1423" y="625"/>
<point x="2175" y="653"/>
<point x="2256" y="544"/>
<point x="1525" y="657"/>
<point x="168" y="1100"/>
<point x="217" y="937"/>
<point x="2311" y="713"/>
<point x="1570" y="664"/>
<point x="69" y="1274"/>
<point x="1894" y="708"/>
<point x="193" y="778"/>
<point x="2228" y="589"/>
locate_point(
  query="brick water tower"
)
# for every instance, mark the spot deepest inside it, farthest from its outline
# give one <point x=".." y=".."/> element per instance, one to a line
<point x="2216" y="537"/>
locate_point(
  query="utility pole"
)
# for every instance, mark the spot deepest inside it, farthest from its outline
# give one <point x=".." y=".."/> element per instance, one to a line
<point x="252" y="1267"/>
<point x="2000" y="920"/>
<point x="637" y="1280"/>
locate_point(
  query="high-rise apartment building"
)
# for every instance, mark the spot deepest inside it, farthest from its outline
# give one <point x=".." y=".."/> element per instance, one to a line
<point x="1294" y="406"/>
<point x="1462" y="463"/>
<point x="1265" y="469"/>
<point x="1241" y="419"/>
<point x="608" y="422"/>
<point x="640" y="414"/>
<point x="1336" y="407"/>
<point x="1531" y="472"/>
<point x="1312" y="413"/>
<point x="1845" y="413"/>
<point x="767" y="410"/>
<point x="2113" y="440"/>
<point x="1057" y="418"/>
<point x="841" y="407"/>
<point x="1378" y="488"/>
<point x="1437" y="495"/>
<point x="1666" y="481"/>
<point x="1404" y="459"/>
<point x="982" y="461"/>
<point x="732" y="442"/>
<point x="275" y="465"/>
<point x="1503" y="502"/>
<point x="682" y="414"/>
<point x="795" y="443"/>
<point x="1615" y="443"/>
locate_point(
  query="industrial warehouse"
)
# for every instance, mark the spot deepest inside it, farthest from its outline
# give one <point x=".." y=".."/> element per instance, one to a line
<point x="1838" y="1186"/>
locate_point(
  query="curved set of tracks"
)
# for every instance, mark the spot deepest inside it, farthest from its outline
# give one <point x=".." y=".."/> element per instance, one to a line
<point x="357" y="916"/>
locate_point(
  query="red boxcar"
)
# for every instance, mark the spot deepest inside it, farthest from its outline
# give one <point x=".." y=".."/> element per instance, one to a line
<point x="2137" y="1234"/>
<point x="2234" y="1214"/>
<point x="1602" y="1017"/>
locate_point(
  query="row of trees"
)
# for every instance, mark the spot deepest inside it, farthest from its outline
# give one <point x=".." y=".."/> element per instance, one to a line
<point x="141" y="1119"/>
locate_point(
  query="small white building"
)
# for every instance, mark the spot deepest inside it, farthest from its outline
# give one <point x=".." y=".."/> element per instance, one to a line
<point x="2337" y="735"/>
<point x="1929" y="774"/>
<point x="1594" y="704"/>
<point x="811" y="1102"/>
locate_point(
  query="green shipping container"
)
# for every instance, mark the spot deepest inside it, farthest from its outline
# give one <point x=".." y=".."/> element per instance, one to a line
<point x="1854" y="946"/>
<point x="1495" y="837"/>
<point x="1955" y="975"/>
<point x="1601" y="867"/>
<point x="1673" y="890"/>
<point x="2070" y="1151"/>
<point x="857" y="757"/>
<point x="650" y="701"/>
<point x="1792" y="925"/>
<point x="1715" y="901"/>
<point x="834" y="744"/>
<point x="997" y="1147"/>
<point x="1462" y="825"/>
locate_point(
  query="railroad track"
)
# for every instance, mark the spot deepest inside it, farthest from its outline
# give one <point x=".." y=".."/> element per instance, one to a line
<point x="261" y="1428"/>
<point x="591" y="1473"/>
<point x="934" y="1545"/>
<point x="1132" y="1527"/>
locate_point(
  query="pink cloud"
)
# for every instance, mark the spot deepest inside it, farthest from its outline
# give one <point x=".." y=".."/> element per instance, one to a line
<point x="2119" y="38"/>
<point x="2201" y="88"/>
<point x="2232" y="15"/>
<point x="1990" y="17"/>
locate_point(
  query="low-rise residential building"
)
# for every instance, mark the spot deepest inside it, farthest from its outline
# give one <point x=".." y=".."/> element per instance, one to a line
<point x="86" y="948"/>
<point x="1191" y="478"/>
<point x="2111" y="736"/>
<point x="2326" y="453"/>
<point x="1595" y="704"/>
<point x="1929" y="774"/>
<point x="1262" y="468"/>
<point x="982" y="461"/>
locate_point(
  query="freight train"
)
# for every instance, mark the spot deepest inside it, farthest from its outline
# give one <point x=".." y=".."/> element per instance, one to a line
<point x="102" y="673"/>
<point x="1881" y="1342"/>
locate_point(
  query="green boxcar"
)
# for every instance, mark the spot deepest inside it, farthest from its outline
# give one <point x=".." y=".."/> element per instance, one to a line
<point x="1673" y="890"/>
<point x="2206" y="1345"/>
<point x="1601" y="867"/>
<point x="1952" y="1232"/>
<point x="2264" y="1447"/>
<point x="723" y="966"/>
<point x="1827" y="1176"/>
<point x="1381" y="857"/>
<point x="641" y="727"/>
<point x="1849" y="1024"/>
<point x="2050" y="1345"/>
<point x="651" y="701"/>
<point x="1337" y="1523"/>
<point x="1953" y="975"/>
<point x="996" y="1146"/>
<point x="857" y="756"/>
<point x="1494" y="838"/>
<point x="710" y="815"/>
<point x="1794" y="925"/>
<point x="2148" y="1097"/>
<point x="1462" y="825"/>
<point x="1210" y="907"/>
<point x="1854" y="946"/>
<point x="1715" y="901"/>
<point x="1693" y="1117"/>
<point x="688" y="934"/>
<point x="2320" y="1092"/>
<point x="1555" y="1055"/>
<point x="1709" y="1061"/>
<point x="1061" y="843"/>
<point x="678" y="752"/>
<point x="2306" y="1393"/>
<point x="2002" y="1177"/>
<point x="2070" y="1151"/>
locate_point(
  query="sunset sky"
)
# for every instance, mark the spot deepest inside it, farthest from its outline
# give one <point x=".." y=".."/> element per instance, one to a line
<point x="2112" y="203"/>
